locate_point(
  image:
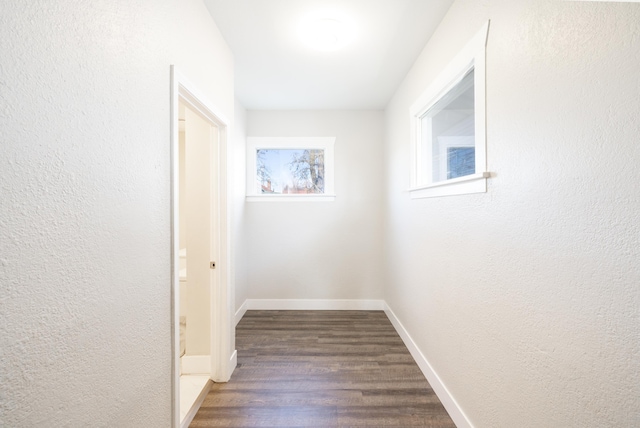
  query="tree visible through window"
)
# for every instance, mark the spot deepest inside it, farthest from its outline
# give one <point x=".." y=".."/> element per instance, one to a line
<point x="290" y="171"/>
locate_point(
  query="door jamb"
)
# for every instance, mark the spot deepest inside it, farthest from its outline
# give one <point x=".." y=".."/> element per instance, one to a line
<point x="223" y="356"/>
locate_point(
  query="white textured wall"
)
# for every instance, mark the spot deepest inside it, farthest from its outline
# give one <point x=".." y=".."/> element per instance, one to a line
<point x="84" y="203"/>
<point x="526" y="299"/>
<point x="320" y="250"/>
<point x="239" y="186"/>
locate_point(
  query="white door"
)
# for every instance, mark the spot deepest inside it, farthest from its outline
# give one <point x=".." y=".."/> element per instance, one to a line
<point x="201" y="240"/>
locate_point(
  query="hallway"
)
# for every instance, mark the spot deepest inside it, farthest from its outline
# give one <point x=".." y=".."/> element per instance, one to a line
<point x="322" y="368"/>
<point x="519" y="303"/>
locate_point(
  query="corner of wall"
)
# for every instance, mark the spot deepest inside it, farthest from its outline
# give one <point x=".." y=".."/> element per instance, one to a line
<point x="448" y="401"/>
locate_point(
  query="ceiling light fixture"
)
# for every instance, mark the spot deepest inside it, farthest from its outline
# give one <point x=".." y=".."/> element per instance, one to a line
<point x="325" y="34"/>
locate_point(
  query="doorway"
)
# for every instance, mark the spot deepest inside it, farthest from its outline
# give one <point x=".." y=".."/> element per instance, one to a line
<point x="197" y="212"/>
<point x="202" y="340"/>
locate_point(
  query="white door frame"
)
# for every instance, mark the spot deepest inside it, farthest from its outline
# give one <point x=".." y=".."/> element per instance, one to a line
<point x="223" y="354"/>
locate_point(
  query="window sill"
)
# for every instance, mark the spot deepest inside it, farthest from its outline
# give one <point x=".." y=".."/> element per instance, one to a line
<point x="475" y="183"/>
<point x="290" y="198"/>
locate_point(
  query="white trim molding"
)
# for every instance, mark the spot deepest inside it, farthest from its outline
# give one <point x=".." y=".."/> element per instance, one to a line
<point x="314" y="305"/>
<point x="233" y="361"/>
<point x="291" y="198"/>
<point x="222" y="334"/>
<point x="472" y="58"/>
<point x="195" y="365"/>
<point x="450" y="404"/>
<point x="241" y="311"/>
<point x="326" y="144"/>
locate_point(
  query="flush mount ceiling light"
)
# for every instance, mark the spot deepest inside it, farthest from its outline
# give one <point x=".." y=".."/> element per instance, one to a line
<point x="326" y="34"/>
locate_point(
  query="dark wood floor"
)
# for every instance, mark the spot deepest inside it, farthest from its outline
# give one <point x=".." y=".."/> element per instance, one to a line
<point x="322" y="369"/>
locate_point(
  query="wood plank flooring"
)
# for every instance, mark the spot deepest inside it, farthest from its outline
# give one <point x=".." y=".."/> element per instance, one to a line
<point x="322" y="369"/>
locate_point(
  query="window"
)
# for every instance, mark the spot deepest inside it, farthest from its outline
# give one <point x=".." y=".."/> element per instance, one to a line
<point x="448" y="128"/>
<point x="290" y="168"/>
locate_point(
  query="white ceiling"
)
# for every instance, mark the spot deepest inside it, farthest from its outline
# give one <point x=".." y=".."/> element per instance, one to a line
<point x="275" y="70"/>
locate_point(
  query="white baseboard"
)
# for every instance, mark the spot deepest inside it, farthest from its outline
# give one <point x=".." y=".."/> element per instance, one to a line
<point x="233" y="361"/>
<point x="314" y="305"/>
<point x="241" y="311"/>
<point x="449" y="403"/>
<point x="195" y="364"/>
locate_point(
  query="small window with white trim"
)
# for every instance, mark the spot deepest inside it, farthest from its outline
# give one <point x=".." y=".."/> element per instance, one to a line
<point x="290" y="168"/>
<point x="448" y="128"/>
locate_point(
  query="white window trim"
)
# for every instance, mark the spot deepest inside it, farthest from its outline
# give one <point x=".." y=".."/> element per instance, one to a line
<point x="473" y="55"/>
<point x="321" y="143"/>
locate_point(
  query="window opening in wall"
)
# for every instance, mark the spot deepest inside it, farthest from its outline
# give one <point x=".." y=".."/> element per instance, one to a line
<point x="290" y="168"/>
<point x="448" y="128"/>
<point x="290" y="171"/>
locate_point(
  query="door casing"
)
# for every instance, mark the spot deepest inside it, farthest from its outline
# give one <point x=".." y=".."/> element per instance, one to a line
<point x="223" y="354"/>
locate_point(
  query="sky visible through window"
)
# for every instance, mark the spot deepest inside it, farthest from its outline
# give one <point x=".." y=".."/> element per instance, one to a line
<point x="290" y="171"/>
